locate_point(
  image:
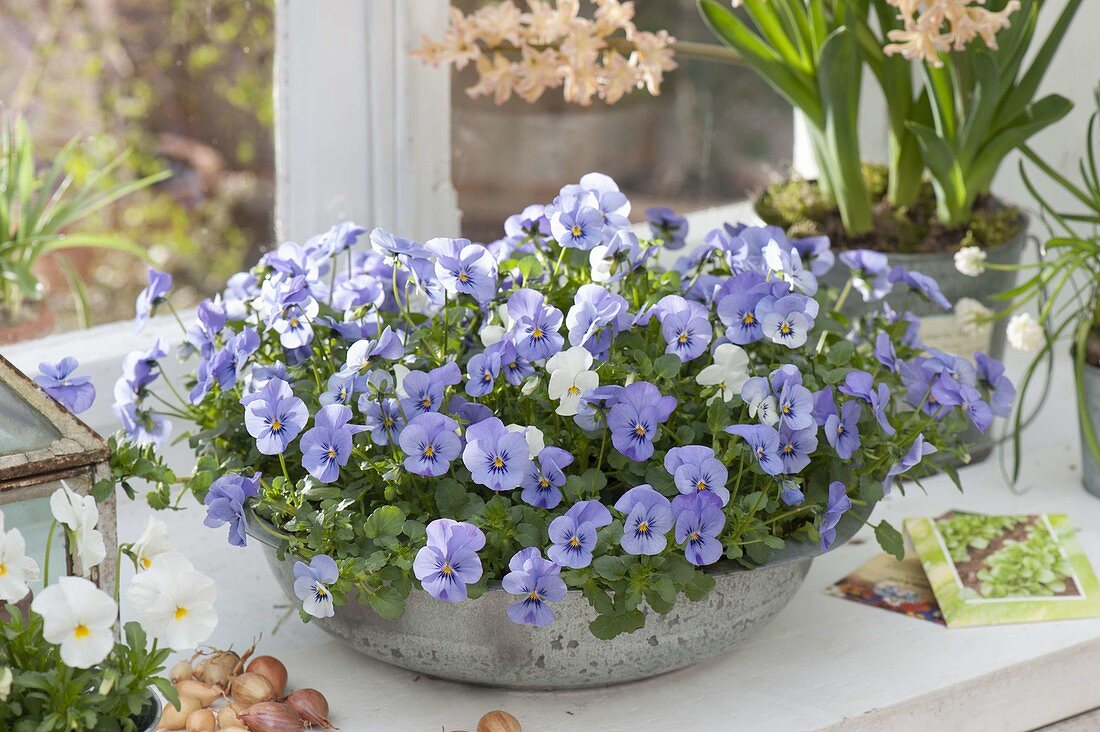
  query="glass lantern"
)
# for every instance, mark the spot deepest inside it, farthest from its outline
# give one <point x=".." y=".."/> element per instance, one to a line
<point x="41" y="445"/>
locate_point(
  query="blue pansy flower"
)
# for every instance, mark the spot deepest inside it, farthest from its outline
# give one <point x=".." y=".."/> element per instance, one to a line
<point x="667" y="226"/>
<point x="1002" y="393"/>
<point x="648" y="518"/>
<point x="225" y="501"/>
<point x="449" y="562"/>
<point x="75" y="393"/>
<point x="835" y="506"/>
<point x="636" y="417"/>
<point x="497" y="458"/>
<point x="763" y="441"/>
<point x="536" y="325"/>
<point x="842" y="430"/>
<point x="423" y="392"/>
<point x="912" y="457"/>
<point x="870" y="272"/>
<point x="573" y="535"/>
<point x="695" y="469"/>
<point x="697" y="527"/>
<point x="464" y="268"/>
<point x="578" y="228"/>
<point x="482" y="372"/>
<point x="430" y="443"/>
<point x="537" y="582"/>
<point x="543" y="482"/>
<point x="787" y="320"/>
<point x="382" y="418"/>
<point x="685" y="326"/>
<point x="339" y="389"/>
<point x="596" y="317"/>
<point x="860" y="384"/>
<point x="154" y="293"/>
<point x="795" y="446"/>
<point x="922" y="284"/>
<point x="326" y="447"/>
<point x="274" y="416"/>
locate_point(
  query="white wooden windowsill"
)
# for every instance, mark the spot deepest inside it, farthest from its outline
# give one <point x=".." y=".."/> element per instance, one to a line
<point x="823" y="663"/>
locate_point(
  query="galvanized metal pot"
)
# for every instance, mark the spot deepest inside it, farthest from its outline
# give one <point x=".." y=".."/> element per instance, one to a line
<point x="938" y="327"/>
<point x="1091" y="411"/>
<point x="475" y="642"/>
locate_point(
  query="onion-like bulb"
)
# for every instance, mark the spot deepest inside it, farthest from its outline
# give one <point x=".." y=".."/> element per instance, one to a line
<point x="271" y="668"/>
<point x="205" y="693"/>
<point x="272" y="717"/>
<point x="248" y="689"/>
<point x="311" y="706"/>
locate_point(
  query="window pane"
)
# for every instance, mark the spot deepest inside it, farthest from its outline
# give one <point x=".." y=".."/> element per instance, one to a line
<point x="186" y="87"/>
<point x="714" y="134"/>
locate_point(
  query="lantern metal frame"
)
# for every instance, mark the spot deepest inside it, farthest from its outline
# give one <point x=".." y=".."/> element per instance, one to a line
<point x="78" y="456"/>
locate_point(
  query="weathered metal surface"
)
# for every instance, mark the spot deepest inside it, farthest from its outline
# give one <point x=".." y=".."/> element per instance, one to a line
<point x="475" y="642"/>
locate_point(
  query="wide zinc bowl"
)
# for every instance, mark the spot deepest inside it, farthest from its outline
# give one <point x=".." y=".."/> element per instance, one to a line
<point x="475" y="642"/>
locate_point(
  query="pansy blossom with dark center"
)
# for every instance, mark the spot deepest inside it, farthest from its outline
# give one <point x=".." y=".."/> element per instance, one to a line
<point x="430" y="443"/>
<point x="573" y="535"/>
<point x="543" y="482"/>
<point x="648" y="517"/>
<point x="497" y="458"/>
<point x="763" y="442"/>
<point x="464" y="268"/>
<point x="423" y="392"/>
<point x="635" y="418"/>
<point x="326" y="447"/>
<point x="695" y="469"/>
<point x="274" y="416"/>
<point x="685" y="326"/>
<point x="449" y="562"/>
<point x="537" y="582"/>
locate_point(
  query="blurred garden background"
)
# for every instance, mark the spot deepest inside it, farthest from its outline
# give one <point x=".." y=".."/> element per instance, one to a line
<point x="186" y="85"/>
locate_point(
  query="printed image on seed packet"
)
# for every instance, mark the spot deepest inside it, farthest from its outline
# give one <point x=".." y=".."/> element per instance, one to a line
<point x="898" y="586"/>
<point x="989" y="570"/>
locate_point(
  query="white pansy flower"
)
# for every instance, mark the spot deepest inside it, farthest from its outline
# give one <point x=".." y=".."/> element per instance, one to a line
<point x="570" y="377"/>
<point x="491" y="333"/>
<point x="16" y="568"/>
<point x="1024" y="332"/>
<point x="78" y="617"/>
<point x="174" y="602"/>
<point x="765" y="409"/>
<point x="601" y="265"/>
<point x="80" y="515"/>
<point x="530" y="386"/>
<point x="970" y="261"/>
<point x="729" y="372"/>
<point x="153" y="542"/>
<point x="969" y="313"/>
<point x="535" y="439"/>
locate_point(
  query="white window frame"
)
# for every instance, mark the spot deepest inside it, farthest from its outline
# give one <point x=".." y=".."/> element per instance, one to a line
<point x="362" y="133"/>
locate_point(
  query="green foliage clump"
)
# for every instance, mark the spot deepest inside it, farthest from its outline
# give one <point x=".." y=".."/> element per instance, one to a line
<point x="48" y="696"/>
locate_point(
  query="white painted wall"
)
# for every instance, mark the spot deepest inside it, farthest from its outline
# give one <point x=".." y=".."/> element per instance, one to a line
<point x="1074" y="74"/>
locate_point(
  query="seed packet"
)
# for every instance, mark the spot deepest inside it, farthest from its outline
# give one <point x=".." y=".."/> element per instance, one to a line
<point x="886" y="582"/>
<point x="989" y="570"/>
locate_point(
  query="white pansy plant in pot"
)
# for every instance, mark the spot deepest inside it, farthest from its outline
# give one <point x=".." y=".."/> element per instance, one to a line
<point x="62" y="664"/>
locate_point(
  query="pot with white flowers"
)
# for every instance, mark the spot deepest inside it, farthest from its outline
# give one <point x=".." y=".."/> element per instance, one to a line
<point x="545" y="461"/>
<point x="63" y="665"/>
<point x="1070" y="263"/>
